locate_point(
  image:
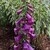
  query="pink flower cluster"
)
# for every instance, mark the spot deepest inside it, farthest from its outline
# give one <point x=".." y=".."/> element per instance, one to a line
<point x="24" y="30"/>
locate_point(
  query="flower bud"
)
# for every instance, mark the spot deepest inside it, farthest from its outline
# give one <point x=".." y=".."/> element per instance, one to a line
<point x="29" y="12"/>
<point x="30" y="9"/>
<point x="18" y="22"/>
<point x="19" y="11"/>
<point x="28" y="16"/>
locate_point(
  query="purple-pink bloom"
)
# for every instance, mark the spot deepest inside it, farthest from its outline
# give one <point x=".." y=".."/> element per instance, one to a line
<point x="18" y="38"/>
<point x="28" y="38"/>
<point x="17" y="47"/>
<point x="17" y="23"/>
<point x="27" y="46"/>
<point x="31" y="21"/>
<point x="32" y="35"/>
<point x="16" y="30"/>
<point x="26" y="27"/>
<point x="31" y="30"/>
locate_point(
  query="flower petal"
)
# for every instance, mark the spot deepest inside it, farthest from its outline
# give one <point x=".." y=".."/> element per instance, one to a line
<point x="31" y="21"/>
<point x="32" y="35"/>
<point x="15" y="47"/>
<point x="28" y="16"/>
<point x="31" y="30"/>
<point x="18" y="38"/>
<point x="26" y="27"/>
<point x="27" y="46"/>
<point x="16" y="30"/>
<point x="20" y="21"/>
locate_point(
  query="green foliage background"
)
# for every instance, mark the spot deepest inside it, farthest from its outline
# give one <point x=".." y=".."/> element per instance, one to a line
<point x="41" y="13"/>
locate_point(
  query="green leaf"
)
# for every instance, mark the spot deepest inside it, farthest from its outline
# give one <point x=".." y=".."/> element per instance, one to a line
<point x="48" y="31"/>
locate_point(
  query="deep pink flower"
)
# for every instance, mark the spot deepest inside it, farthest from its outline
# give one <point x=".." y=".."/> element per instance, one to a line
<point x="27" y="46"/>
<point x="17" y="47"/>
<point x="16" y="30"/>
<point x="26" y="27"/>
<point x="31" y="21"/>
<point x="32" y="35"/>
<point x="31" y="30"/>
<point x="19" y="22"/>
<point x="18" y="38"/>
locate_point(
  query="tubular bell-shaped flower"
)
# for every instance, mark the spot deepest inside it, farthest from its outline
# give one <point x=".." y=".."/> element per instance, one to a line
<point x="31" y="30"/>
<point x="26" y="27"/>
<point x="17" y="47"/>
<point x="27" y="46"/>
<point x="18" y="38"/>
<point x="16" y="30"/>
